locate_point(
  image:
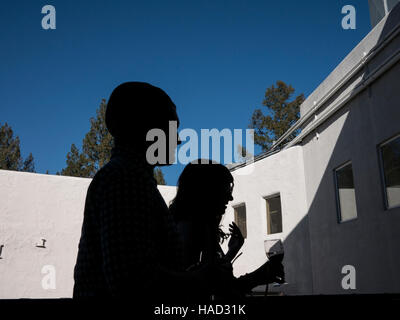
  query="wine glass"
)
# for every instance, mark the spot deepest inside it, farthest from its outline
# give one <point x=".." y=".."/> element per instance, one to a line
<point x="275" y="253"/>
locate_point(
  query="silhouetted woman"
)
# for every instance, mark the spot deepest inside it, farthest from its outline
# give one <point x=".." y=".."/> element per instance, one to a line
<point x="204" y="190"/>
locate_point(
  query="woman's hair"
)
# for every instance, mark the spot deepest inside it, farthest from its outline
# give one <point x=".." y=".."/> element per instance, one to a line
<point x="197" y="180"/>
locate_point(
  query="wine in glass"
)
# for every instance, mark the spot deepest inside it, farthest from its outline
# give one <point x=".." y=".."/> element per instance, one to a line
<point x="275" y="253"/>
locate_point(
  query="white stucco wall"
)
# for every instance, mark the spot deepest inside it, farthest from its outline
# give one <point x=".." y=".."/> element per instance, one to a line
<point x="371" y="242"/>
<point x="35" y="206"/>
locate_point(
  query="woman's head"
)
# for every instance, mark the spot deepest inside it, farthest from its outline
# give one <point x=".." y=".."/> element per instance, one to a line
<point x="204" y="190"/>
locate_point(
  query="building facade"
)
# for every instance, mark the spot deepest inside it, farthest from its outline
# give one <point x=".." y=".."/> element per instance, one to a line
<point x="339" y="179"/>
<point x="40" y="226"/>
<point x="331" y="195"/>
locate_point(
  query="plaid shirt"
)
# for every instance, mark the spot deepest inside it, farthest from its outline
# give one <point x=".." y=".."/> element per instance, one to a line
<point x="127" y="235"/>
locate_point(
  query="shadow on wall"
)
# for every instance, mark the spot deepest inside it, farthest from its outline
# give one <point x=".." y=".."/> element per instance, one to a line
<point x="371" y="242"/>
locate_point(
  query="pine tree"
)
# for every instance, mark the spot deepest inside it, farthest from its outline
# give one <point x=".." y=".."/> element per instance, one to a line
<point x="243" y="153"/>
<point x="29" y="165"/>
<point x="96" y="150"/>
<point x="158" y="175"/>
<point x="98" y="142"/>
<point x="10" y="152"/>
<point x="281" y="115"/>
<point x="77" y="164"/>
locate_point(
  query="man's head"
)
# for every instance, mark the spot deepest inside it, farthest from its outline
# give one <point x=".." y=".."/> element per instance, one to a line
<point x="134" y="108"/>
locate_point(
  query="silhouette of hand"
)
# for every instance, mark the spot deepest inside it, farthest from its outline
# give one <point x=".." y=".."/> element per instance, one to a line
<point x="212" y="277"/>
<point x="236" y="241"/>
<point x="214" y="272"/>
<point x="269" y="272"/>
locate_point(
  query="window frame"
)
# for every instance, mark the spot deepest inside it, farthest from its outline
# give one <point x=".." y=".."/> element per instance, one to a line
<point x="265" y="199"/>
<point x="382" y="172"/>
<point x="338" y="208"/>
<point x="238" y="205"/>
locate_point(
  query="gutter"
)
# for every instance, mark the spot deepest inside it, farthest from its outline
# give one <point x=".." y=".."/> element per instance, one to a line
<point x="256" y="158"/>
<point x="375" y="74"/>
<point x="317" y="105"/>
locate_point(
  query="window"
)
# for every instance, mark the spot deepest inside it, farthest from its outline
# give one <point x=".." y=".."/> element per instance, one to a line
<point x="240" y="219"/>
<point x="274" y="215"/>
<point x="345" y="193"/>
<point x="390" y="164"/>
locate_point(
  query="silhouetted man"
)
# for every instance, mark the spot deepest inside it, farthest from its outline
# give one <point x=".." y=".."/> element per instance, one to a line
<point x="128" y="245"/>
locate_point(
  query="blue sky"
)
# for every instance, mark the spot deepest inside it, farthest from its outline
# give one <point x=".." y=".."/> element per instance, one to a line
<point x="214" y="58"/>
